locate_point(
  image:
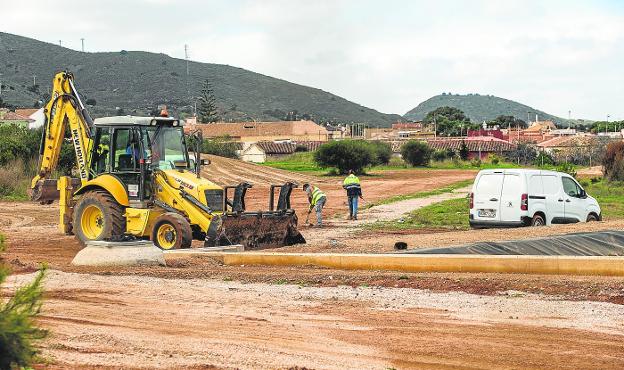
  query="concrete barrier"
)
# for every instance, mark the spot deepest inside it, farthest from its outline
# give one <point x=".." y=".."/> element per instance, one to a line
<point x="132" y="253"/>
<point x="561" y="265"/>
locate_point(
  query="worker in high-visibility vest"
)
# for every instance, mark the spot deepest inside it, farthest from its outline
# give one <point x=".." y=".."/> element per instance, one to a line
<point x="317" y="201"/>
<point x="354" y="191"/>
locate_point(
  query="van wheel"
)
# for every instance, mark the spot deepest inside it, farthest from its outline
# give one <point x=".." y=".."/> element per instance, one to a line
<point x="538" y="221"/>
<point x="592" y="218"/>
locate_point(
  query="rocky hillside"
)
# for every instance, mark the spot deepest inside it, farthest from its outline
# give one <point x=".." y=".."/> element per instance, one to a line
<point x="138" y="81"/>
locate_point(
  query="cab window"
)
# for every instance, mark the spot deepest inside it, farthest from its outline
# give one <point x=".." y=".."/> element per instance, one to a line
<point x="570" y="187"/>
<point x="126" y="150"/>
<point x="101" y="158"/>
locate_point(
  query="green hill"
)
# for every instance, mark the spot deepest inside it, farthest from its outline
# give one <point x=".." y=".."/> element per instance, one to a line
<point x="481" y="108"/>
<point x="138" y="81"/>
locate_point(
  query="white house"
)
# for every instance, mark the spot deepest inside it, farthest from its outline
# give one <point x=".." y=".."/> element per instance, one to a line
<point x="253" y="153"/>
<point x="34" y="114"/>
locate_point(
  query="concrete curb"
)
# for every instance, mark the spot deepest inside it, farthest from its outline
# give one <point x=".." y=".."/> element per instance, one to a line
<point x="558" y="265"/>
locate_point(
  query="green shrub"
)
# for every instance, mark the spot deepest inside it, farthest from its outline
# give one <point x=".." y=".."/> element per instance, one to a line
<point x="17" y="329"/>
<point x="476" y="162"/>
<point x="382" y="152"/>
<point x="567" y="168"/>
<point x="416" y="153"/>
<point x="494" y="159"/>
<point x="439" y="155"/>
<point x="396" y="162"/>
<point x="17" y="142"/>
<point x="543" y="159"/>
<point x="346" y="155"/>
<point x="219" y="146"/>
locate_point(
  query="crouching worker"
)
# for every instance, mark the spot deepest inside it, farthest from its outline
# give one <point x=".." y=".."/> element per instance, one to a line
<point x="354" y="191"/>
<point x="317" y="201"/>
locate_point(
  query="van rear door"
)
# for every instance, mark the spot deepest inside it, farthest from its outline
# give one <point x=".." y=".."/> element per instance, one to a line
<point x="487" y="196"/>
<point x="511" y="197"/>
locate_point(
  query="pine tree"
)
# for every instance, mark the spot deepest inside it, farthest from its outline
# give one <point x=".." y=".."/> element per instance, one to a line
<point x="17" y="329"/>
<point x="463" y="151"/>
<point x="207" y="110"/>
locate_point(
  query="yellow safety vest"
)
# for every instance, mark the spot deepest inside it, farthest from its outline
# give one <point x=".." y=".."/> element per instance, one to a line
<point x="316" y="195"/>
<point x="351" y="179"/>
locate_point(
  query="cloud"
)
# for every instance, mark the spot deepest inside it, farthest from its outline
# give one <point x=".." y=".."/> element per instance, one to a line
<point x="388" y="55"/>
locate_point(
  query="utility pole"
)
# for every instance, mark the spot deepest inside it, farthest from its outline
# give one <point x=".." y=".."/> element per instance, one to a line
<point x="569" y="119"/>
<point x="60" y="43"/>
<point x="0" y="85"/>
<point x="435" y="127"/>
<point x="34" y="80"/>
<point x="82" y="43"/>
<point x="607" y="125"/>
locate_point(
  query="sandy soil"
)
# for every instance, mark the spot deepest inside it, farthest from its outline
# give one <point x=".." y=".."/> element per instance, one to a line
<point x="130" y="321"/>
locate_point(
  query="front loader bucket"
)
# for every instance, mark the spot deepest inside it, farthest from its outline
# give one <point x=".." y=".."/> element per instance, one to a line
<point x="274" y="228"/>
<point x="257" y="230"/>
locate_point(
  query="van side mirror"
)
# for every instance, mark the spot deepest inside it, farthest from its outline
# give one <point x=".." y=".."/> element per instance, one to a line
<point x="583" y="194"/>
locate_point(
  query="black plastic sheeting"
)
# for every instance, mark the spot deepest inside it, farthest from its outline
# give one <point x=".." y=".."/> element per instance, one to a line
<point x="602" y="243"/>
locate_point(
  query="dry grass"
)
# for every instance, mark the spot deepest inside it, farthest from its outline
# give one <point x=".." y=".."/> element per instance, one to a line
<point x="15" y="179"/>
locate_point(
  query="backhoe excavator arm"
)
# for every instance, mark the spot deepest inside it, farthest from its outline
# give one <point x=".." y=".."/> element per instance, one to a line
<point x="65" y="109"/>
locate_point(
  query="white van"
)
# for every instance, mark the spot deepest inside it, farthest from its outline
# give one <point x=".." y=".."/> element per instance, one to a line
<point x="522" y="197"/>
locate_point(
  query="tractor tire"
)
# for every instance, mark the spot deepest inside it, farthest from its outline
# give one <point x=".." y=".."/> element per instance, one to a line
<point x="537" y="221"/>
<point x="172" y="231"/>
<point x="98" y="216"/>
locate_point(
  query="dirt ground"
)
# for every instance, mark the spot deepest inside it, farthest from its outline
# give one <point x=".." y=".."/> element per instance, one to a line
<point x="196" y="313"/>
<point x="225" y="171"/>
<point x="137" y="321"/>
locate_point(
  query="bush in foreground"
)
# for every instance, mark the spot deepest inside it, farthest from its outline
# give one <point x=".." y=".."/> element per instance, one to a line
<point x="17" y="329"/>
<point x="416" y="153"/>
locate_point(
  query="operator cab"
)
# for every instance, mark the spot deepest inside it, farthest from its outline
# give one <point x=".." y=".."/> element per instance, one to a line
<point x="131" y="148"/>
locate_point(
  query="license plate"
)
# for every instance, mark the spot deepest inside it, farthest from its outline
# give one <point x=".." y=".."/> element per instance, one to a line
<point x="489" y="213"/>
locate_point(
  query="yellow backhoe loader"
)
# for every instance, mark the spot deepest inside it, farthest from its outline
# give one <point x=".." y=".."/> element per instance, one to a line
<point x="137" y="180"/>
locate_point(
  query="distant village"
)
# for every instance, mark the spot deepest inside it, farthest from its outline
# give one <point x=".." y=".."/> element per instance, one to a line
<point x="261" y="141"/>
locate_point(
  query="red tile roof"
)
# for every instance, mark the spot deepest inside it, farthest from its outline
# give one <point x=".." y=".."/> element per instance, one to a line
<point x="270" y="147"/>
<point x="26" y="112"/>
<point x="12" y="116"/>
<point x="474" y="144"/>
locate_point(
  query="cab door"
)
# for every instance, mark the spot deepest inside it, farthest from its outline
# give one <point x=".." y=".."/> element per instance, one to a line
<point x="127" y="156"/>
<point x="554" y="199"/>
<point x="574" y="206"/>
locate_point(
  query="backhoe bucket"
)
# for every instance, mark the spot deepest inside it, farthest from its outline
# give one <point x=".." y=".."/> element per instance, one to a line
<point x="276" y="227"/>
<point x="46" y="191"/>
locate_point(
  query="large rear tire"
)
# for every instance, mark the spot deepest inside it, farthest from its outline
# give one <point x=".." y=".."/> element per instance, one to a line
<point x="98" y="216"/>
<point x="172" y="231"/>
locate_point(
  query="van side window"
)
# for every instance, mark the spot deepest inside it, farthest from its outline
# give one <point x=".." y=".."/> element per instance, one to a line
<point x="570" y="187"/>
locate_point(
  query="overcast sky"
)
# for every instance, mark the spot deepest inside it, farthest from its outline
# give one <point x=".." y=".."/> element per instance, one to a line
<point x="387" y="55"/>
